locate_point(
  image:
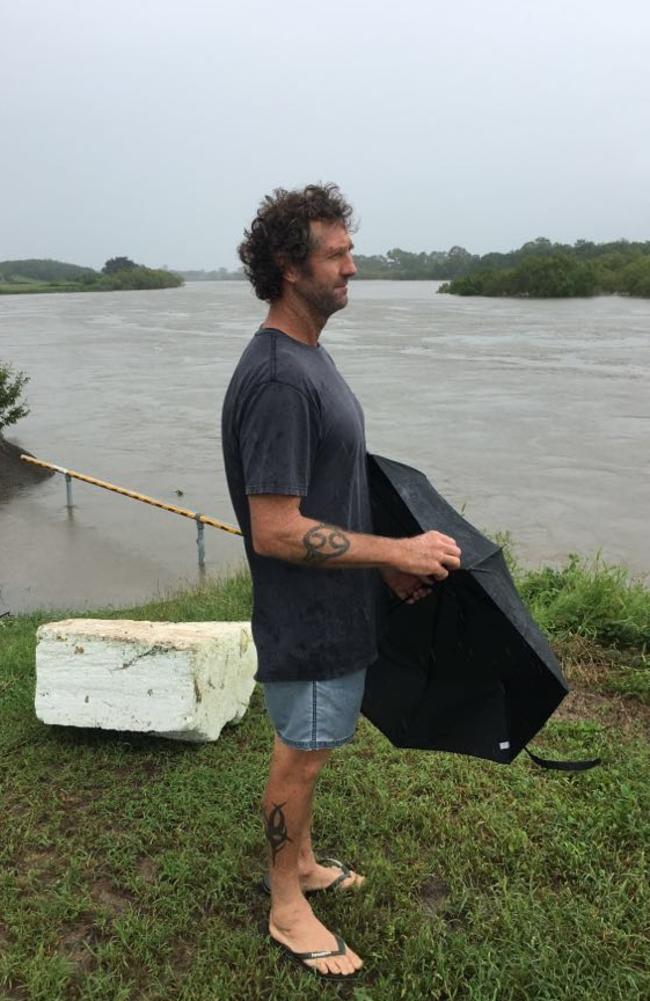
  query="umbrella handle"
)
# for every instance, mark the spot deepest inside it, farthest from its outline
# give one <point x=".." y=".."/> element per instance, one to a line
<point x="563" y="766"/>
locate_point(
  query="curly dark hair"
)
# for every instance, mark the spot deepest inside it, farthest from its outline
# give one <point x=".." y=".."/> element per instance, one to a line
<point x="279" y="234"/>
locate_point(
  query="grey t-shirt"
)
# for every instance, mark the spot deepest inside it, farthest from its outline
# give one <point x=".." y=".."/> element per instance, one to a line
<point x="291" y="425"/>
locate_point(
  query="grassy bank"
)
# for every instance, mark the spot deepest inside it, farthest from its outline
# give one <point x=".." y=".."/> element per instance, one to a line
<point x="30" y="288"/>
<point x="26" y="288"/>
<point x="118" y="274"/>
<point x="128" y="864"/>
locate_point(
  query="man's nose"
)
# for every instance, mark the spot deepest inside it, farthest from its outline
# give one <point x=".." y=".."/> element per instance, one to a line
<point x="349" y="267"/>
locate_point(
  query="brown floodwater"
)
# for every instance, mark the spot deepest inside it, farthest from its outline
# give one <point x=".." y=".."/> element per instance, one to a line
<point x="532" y="415"/>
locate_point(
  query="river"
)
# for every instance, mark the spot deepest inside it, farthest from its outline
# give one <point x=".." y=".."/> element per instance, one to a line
<point x="533" y="416"/>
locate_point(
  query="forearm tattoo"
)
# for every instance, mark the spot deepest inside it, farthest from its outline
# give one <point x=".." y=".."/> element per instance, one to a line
<point x="324" y="542"/>
<point x="276" y="830"/>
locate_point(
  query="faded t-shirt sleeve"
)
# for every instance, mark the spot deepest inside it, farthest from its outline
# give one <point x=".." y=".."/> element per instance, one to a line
<point x="278" y="438"/>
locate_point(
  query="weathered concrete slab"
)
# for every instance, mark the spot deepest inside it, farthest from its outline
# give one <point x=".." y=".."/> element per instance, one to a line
<point x="183" y="680"/>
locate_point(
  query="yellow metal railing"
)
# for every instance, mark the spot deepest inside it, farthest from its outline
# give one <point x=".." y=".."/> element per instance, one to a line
<point x="200" y="519"/>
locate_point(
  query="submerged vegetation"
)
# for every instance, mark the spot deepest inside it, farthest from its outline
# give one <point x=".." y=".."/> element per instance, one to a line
<point x="119" y="273"/>
<point x="130" y="864"/>
<point x="558" y="277"/>
<point x="539" y="269"/>
<point x="542" y="269"/>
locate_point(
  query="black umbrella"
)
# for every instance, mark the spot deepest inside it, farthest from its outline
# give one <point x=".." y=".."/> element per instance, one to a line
<point x="464" y="669"/>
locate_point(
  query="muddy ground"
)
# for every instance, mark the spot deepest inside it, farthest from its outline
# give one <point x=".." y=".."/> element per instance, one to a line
<point x="15" y="474"/>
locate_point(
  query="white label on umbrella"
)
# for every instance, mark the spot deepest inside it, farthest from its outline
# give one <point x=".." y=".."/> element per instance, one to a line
<point x="504" y="745"/>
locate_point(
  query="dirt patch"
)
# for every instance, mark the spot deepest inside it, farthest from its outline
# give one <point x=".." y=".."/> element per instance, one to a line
<point x="15" y="808"/>
<point x="182" y="957"/>
<point x="147" y="870"/>
<point x="76" y="944"/>
<point x="611" y="710"/>
<point x="40" y="861"/>
<point x="115" y="901"/>
<point x="16" y="474"/>
<point x="586" y="664"/>
<point x="15" y="993"/>
<point x="37" y="867"/>
<point x="433" y="895"/>
<point x="136" y="770"/>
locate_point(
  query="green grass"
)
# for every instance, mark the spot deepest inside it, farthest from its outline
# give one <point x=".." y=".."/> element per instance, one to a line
<point x="30" y="286"/>
<point x="590" y="599"/>
<point x="128" y="864"/>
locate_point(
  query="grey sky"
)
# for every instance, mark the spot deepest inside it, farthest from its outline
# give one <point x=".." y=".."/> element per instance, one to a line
<point x="153" y="128"/>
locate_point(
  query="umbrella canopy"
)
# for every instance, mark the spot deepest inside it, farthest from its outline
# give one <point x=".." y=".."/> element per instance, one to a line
<point x="464" y="669"/>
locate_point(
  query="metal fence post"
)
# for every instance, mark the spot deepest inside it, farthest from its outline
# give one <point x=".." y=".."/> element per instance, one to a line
<point x="200" y="541"/>
<point x="68" y="490"/>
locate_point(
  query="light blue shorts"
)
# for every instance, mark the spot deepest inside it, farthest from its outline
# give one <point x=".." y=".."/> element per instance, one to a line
<point x="314" y="715"/>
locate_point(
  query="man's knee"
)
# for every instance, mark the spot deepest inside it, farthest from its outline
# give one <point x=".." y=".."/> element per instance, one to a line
<point x="312" y="762"/>
<point x="303" y="764"/>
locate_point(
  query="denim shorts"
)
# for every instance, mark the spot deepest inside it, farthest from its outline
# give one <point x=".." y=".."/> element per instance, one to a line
<point x="314" y="715"/>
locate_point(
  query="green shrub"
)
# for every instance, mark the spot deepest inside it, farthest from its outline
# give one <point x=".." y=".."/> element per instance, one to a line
<point x="12" y="408"/>
<point x="635" y="278"/>
<point x="591" y="599"/>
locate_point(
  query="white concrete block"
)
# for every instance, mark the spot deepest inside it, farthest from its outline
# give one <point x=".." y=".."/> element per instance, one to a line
<point x="183" y="680"/>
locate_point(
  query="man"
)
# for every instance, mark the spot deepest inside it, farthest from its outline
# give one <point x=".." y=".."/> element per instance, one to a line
<point x="295" y="458"/>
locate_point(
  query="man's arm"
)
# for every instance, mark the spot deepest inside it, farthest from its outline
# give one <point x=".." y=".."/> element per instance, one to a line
<point x="280" y="530"/>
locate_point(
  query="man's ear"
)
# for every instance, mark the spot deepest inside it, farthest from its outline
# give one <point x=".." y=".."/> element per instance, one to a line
<point x="290" y="272"/>
<point x="291" y="275"/>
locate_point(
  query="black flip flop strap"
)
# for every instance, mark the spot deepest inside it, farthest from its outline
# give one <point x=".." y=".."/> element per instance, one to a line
<point x="323" y="954"/>
<point x="563" y="766"/>
<point x="335" y="864"/>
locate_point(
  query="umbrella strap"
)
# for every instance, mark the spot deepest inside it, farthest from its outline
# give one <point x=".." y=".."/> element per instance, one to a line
<point x="563" y="766"/>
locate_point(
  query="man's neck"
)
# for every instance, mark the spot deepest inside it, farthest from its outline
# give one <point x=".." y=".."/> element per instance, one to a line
<point x="296" y="320"/>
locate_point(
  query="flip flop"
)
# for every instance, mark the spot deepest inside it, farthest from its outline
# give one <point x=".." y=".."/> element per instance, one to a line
<point x="300" y="957"/>
<point x="332" y="863"/>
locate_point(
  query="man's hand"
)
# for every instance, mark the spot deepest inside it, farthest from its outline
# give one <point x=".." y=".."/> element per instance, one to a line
<point x="407" y="586"/>
<point x="431" y="554"/>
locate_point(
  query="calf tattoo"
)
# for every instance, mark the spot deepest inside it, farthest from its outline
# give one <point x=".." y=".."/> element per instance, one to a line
<point x="276" y="830"/>
<point x="324" y="542"/>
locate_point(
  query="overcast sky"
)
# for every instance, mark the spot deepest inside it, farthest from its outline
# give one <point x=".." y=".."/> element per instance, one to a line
<point x="152" y="128"/>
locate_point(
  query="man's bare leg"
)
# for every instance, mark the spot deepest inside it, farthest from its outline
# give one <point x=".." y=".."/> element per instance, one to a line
<point x="287" y="815"/>
<point x="318" y="877"/>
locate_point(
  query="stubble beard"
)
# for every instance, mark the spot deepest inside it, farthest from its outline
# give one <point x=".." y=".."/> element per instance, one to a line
<point x="322" y="301"/>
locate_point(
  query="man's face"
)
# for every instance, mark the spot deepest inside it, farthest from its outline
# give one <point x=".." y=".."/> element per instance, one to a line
<point x="323" y="280"/>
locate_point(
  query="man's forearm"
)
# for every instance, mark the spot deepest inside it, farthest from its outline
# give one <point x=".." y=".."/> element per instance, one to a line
<point x="317" y="544"/>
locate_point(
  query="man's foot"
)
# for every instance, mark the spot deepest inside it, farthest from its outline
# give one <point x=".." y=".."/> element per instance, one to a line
<point x="299" y="930"/>
<point x="326" y="874"/>
<point x="329" y="874"/>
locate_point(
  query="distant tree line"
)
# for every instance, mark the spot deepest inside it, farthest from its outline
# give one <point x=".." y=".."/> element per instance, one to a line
<point x="403" y="265"/>
<point x="43" y="271"/>
<point x="218" y="275"/>
<point x="119" y="273"/>
<point x="539" y="268"/>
